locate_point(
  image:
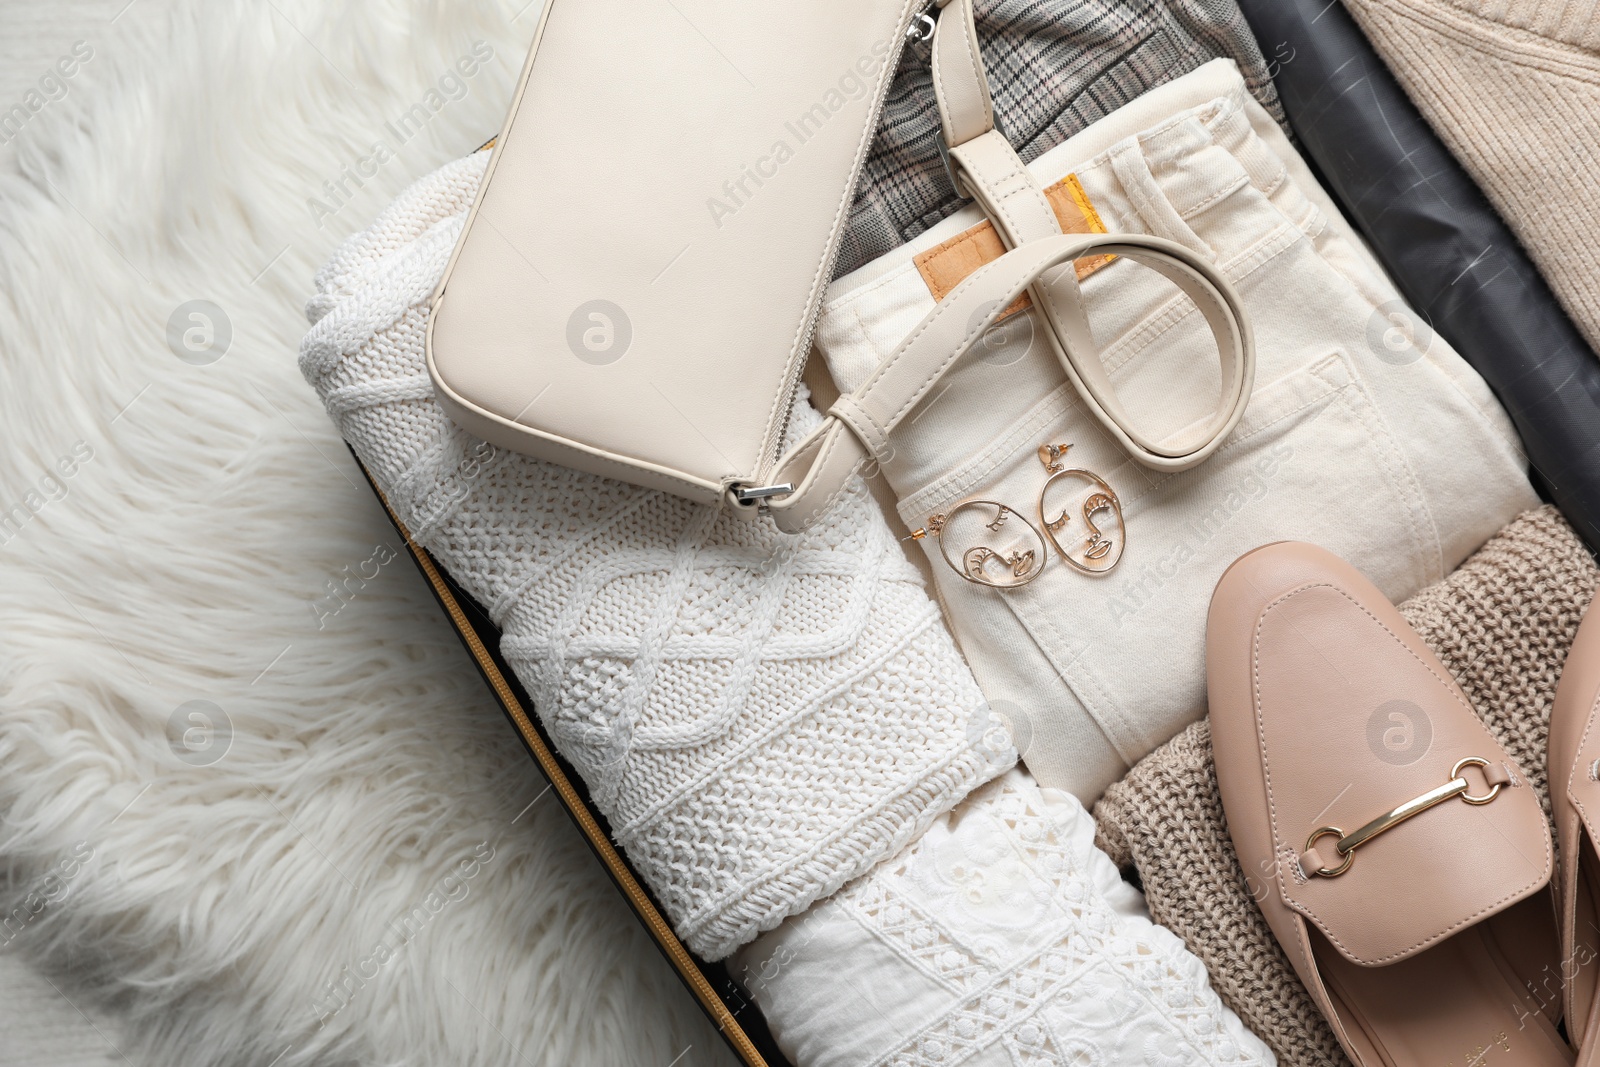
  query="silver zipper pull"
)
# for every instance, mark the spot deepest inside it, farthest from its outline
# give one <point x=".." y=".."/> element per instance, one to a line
<point x="750" y="494"/>
<point x="922" y="27"/>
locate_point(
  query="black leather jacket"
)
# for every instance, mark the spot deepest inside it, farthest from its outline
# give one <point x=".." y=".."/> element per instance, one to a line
<point x="1441" y="241"/>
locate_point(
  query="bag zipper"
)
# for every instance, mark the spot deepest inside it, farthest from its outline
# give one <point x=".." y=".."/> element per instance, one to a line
<point x="919" y="27"/>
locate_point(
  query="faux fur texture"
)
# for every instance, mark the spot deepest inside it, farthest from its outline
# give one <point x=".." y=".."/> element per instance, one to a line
<point x="366" y="871"/>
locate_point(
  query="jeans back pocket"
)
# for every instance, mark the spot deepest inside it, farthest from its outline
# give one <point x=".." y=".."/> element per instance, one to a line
<point x="1096" y="670"/>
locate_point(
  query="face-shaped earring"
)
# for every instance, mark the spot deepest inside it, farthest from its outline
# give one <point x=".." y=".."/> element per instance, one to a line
<point x="994" y="557"/>
<point x="1105" y="531"/>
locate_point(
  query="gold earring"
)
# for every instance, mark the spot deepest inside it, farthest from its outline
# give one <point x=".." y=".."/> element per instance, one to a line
<point x="1099" y="552"/>
<point x="977" y="564"/>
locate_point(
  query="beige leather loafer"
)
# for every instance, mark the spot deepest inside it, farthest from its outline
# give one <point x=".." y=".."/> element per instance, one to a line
<point x="1396" y="851"/>
<point x="1575" y="796"/>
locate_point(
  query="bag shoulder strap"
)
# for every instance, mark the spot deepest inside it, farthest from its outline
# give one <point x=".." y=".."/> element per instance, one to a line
<point x="857" y="428"/>
<point x="984" y="165"/>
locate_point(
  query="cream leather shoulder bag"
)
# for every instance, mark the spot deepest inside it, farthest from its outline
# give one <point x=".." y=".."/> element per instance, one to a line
<point x="635" y="289"/>
<point x="636" y="286"/>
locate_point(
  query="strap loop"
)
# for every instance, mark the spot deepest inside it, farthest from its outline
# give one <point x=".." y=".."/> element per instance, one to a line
<point x="850" y="410"/>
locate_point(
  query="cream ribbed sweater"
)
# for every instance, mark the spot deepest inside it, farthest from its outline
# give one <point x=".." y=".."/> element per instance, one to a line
<point x="1513" y="87"/>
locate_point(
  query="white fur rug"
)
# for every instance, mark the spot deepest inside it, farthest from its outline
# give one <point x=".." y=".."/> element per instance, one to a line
<point x="258" y="807"/>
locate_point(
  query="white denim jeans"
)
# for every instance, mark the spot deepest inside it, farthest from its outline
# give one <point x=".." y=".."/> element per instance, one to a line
<point x="1365" y="433"/>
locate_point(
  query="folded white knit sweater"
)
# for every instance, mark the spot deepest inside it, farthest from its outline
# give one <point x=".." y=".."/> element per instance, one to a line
<point x="760" y="717"/>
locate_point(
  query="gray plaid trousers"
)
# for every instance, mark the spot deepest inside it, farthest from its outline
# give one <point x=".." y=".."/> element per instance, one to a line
<point x="1055" y="67"/>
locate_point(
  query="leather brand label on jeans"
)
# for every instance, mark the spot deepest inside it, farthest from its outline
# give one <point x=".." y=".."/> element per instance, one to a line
<point x="945" y="265"/>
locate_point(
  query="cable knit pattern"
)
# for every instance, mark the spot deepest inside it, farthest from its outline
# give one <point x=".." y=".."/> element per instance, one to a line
<point x="761" y="718"/>
<point x="1501" y="624"/>
<point x="1513" y="87"/>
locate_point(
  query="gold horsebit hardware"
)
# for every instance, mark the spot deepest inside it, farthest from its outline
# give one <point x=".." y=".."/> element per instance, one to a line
<point x="1021" y="566"/>
<point x="1457" y="786"/>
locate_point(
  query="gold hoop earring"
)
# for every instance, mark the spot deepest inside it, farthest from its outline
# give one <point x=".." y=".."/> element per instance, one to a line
<point x="1100" y="552"/>
<point x="1017" y="566"/>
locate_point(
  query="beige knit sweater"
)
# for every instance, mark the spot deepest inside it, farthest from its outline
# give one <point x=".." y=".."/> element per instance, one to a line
<point x="1502" y="624"/>
<point x="1513" y="87"/>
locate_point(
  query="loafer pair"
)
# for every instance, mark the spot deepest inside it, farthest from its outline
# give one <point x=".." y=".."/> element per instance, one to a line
<point x="1575" y="799"/>
<point x="1398" y="853"/>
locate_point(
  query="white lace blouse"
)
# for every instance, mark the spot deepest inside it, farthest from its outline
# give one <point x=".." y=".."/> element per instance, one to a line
<point x="1001" y="938"/>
